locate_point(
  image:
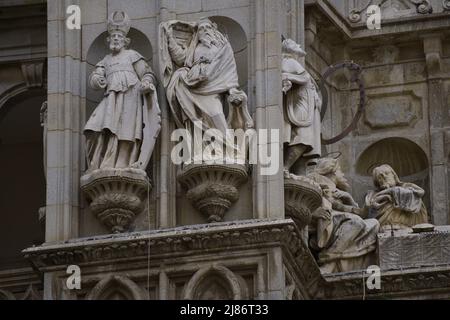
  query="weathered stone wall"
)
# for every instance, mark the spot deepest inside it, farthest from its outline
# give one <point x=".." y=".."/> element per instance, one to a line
<point x="406" y="76"/>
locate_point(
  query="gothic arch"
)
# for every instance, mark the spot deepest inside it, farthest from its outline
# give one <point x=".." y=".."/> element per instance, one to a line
<point x="116" y="287"/>
<point x="215" y="283"/>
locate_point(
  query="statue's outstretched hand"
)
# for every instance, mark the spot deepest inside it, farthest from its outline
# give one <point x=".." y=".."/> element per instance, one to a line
<point x="147" y="87"/>
<point x="322" y="213"/>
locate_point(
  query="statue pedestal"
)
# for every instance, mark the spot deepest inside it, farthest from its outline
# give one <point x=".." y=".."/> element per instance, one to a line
<point x="116" y="196"/>
<point x="212" y="189"/>
<point x="301" y="197"/>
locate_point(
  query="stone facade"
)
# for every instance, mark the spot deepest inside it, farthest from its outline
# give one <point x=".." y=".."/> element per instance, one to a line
<point x="216" y="231"/>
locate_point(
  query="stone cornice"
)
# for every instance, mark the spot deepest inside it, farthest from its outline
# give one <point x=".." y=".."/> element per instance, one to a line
<point x="239" y="235"/>
<point x="414" y="24"/>
<point x="394" y="283"/>
<point x="178" y="241"/>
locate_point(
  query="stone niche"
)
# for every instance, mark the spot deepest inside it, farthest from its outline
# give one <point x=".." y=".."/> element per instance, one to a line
<point x="403" y="155"/>
<point x="241" y="207"/>
<point x="145" y="211"/>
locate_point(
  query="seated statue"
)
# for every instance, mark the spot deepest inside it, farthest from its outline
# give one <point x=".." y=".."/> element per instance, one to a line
<point x="395" y="204"/>
<point x="201" y="79"/>
<point x="343" y="240"/>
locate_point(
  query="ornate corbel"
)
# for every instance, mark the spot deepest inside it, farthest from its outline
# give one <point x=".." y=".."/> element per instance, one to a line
<point x="433" y="54"/>
<point x="33" y="73"/>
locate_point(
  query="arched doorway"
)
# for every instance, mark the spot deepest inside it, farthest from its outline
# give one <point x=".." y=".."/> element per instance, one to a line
<point x="22" y="188"/>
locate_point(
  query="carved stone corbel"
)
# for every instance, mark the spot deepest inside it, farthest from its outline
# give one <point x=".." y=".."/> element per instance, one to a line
<point x="33" y="74"/>
<point x="212" y="189"/>
<point x="301" y="197"/>
<point x="116" y="196"/>
<point x="433" y="54"/>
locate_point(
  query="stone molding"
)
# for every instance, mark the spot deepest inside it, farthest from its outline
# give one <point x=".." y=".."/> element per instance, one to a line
<point x="113" y="248"/>
<point x="231" y="280"/>
<point x="394" y="283"/>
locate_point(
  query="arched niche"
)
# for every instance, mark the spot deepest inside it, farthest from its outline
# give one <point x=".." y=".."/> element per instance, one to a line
<point x="99" y="49"/>
<point x="406" y="157"/>
<point x="238" y="40"/>
<point x="242" y="209"/>
<point x="403" y="155"/>
<point x="215" y="283"/>
<point x="116" y="288"/>
<point x="22" y="191"/>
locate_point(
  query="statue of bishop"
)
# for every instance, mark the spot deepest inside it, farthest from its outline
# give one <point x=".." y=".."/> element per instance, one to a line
<point x="122" y="131"/>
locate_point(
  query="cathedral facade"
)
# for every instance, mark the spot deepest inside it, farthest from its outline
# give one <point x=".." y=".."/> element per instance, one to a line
<point x="338" y="166"/>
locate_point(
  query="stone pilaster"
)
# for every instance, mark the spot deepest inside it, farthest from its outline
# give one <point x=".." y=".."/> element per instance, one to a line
<point x="266" y="48"/>
<point x="438" y="120"/>
<point x="65" y="107"/>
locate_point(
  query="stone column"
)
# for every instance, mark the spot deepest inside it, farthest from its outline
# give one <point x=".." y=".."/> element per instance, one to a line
<point x="167" y="180"/>
<point x="65" y="108"/>
<point x="266" y="48"/>
<point x="438" y="120"/>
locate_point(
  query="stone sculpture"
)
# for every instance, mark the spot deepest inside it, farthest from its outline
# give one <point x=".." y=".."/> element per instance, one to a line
<point x="199" y="74"/>
<point x="344" y="241"/>
<point x="302" y="102"/>
<point x="395" y="204"/>
<point x="122" y="131"/>
<point x="201" y="81"/>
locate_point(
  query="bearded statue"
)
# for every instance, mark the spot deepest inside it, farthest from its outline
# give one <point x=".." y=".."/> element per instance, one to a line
<point x="395" y="204"/>
<point x="200" y="77"/>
